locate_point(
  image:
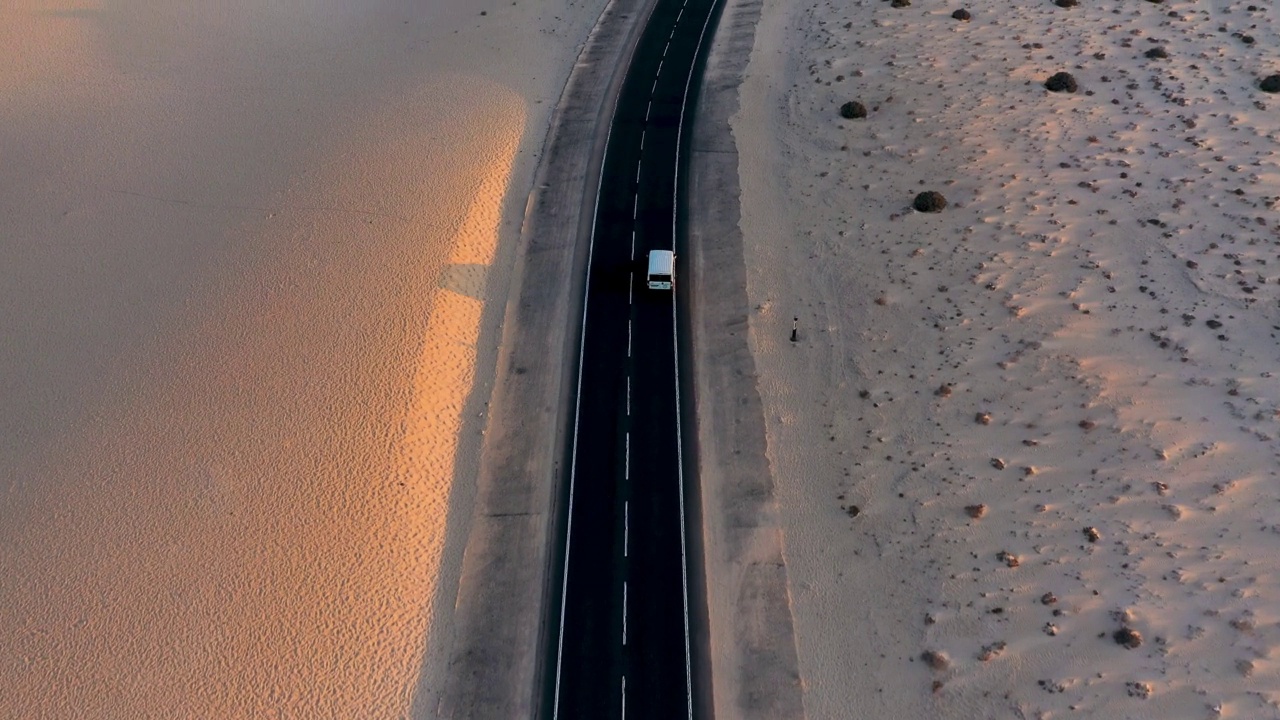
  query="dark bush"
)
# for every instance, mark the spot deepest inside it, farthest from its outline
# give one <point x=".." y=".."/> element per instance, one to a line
<point x="929" y="201"/>
<point x="1066" y="3"/>
<point x="1157" y="53"/>
<point x="1270" y="83"/>
<point x="853" y="110"/>
<point x="1061" y="82"/>
<point x="961" y="14"/>
<point x="900" y="3"/>
<point x="1127" y="637"/>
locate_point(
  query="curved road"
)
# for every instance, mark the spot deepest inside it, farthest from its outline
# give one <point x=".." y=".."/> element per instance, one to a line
<point x="625" y="627"/>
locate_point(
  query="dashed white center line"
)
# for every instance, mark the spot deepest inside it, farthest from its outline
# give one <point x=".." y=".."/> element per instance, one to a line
<point x="631" y="283"/>
<point x="624" y="697"/>
<point x="626" y="531"/>
<point x="633" y="248"/>
<point x="643" y="132"/>
<point x="626" y="460"/>
<point x="628" y="338"/>
<point x="628" y="397"/>
<point x="624" y="613"/>
<point x="665" y="49"/>
<point x="635" y="205"/>
<point x="638" y="164"/>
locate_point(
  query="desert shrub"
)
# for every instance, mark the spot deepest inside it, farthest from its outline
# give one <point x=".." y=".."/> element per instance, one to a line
<point x="1061" y="82"/>
<point x="929" y="201"/>
<point x="853" y="110"/>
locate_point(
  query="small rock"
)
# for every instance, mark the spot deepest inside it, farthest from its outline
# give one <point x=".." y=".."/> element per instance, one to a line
<point x="1050" y="629"/>
<point x="1087" y="425"/>
<point x="1157" y="53"/>
<point x="1245" y="667"/>
<point x="901" y="3"/>
<point x="1093" y="534"/>
<point x="982" y="418"/>
<point x="943" y="390"/>
<point x="935" y="659"/>
<point x="997" y="463"/>
<point x="961" y="14"/>
<point x="1066" y="3"/>
<point x="853" y="511"/>
<point x="1048" y="599"/>
<point x="1008" y="558"/>
<point x="975" y="511"/>
<point x="1270" y="83"/>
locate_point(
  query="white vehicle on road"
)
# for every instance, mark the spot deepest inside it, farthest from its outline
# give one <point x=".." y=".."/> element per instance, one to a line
<point x="662" y="270"/>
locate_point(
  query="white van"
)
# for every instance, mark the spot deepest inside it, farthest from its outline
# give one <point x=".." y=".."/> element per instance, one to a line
<point x="662" y="269"/>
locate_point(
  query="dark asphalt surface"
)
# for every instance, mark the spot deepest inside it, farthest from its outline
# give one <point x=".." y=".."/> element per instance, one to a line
<point x="629" y="624"/>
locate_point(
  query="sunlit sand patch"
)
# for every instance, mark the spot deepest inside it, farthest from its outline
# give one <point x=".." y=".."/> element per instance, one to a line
<point x="251" y="524"/>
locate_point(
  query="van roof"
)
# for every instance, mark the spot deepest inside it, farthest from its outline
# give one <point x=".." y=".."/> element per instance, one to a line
<point x="661" y="262"/>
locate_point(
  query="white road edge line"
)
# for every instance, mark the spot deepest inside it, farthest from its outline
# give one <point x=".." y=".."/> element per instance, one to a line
<point x="577" y="409"/>
<point x="675" y="330"/>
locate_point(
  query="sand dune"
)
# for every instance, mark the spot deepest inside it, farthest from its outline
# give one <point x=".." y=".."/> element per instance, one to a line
<point x="1081" y="347"/>
<point x="253" y="262"/>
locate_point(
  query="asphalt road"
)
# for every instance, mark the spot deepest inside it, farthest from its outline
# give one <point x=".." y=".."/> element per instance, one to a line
<point x="630" y="608"/>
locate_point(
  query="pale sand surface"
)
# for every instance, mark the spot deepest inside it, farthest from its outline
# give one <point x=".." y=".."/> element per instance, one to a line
<point x="1085" y="338"/>
<point x="252" y="264"/>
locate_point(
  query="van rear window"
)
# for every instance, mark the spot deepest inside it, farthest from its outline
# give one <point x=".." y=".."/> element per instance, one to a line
<point x="660" y="278"/>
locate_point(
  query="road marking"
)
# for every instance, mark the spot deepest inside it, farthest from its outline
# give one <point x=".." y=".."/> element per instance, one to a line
<point x="626" y="528"/>
<point x="577" y="414"/>
<point x="626" y="458"/>
<point x="666" y="48"/>
<point x="633" y="246"/>
<point x="653" y="88"/>
<point x="628" y="338"/>
<point x="638" y="164"/>
<point x="644" y="132"/>
<point x="680" y="15"/>
<point x="624" y="697"/>
<point x="624" y="613"/>
<point x="631" y="284"/>
<point x="647" y="110"/>
<point x="635" y="204"/>
<point x="628" y="396"/>
<point x="660" y="66"/>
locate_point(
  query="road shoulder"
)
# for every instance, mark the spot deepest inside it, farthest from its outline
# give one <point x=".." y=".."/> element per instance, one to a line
<point x="753" y="651"/>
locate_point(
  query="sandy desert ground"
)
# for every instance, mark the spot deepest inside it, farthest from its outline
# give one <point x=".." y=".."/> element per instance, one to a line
<point x="252" y="262"/>
<point x="1027" y="448"/>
